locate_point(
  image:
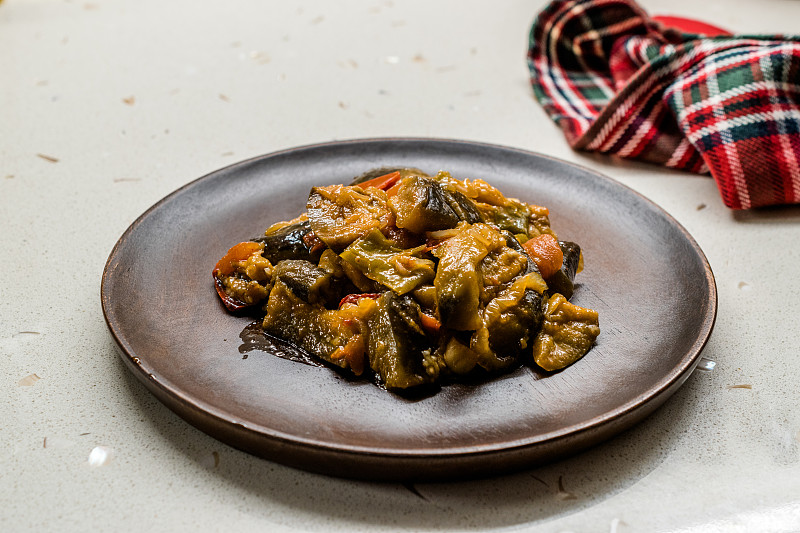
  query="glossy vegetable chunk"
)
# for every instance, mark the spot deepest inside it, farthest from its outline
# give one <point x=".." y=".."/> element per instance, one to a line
<point x="459" y="358"/>
<point x="420" y="205"/>
<point x="292" y="241"/>
<point x="463" y="207"/>
<point x="488" y="204"/>
<point x="379" y="260"/>
<point x="458" y="283"/>
<point x="508" y="324"/>
<point x="513" y="315"/>
<point x="568" y="332"/>
<point x="339" y="215"/>
<point x="511" y="216"/>
<point x="308" y="282"/>
<point x="243" y="277"/>
<point x="335" y="336"/>
<point x="397" y="343"/>
<point x="546" y="252"/>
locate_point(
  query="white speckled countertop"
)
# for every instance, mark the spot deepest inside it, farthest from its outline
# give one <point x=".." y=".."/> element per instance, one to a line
<point x="106" y="106"/>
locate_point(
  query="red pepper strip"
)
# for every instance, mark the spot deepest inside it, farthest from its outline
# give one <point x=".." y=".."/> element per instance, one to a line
<point x="429" y="323"/>
<point x="231" y="304"/>
<point x="382" y="182"/>
<point x="354" y="298"/>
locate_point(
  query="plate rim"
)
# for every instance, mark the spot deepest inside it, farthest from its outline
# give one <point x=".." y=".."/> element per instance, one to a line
<point x="167" y="394"/>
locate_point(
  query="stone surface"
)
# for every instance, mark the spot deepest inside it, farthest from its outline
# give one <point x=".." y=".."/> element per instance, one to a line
<point x="107" y="106"/>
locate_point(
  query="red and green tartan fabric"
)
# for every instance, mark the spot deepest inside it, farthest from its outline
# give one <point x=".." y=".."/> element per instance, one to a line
<point x="619" y="82"/>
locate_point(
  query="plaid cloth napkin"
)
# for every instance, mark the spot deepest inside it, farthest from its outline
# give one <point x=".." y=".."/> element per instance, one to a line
<point x="619" y="82"/>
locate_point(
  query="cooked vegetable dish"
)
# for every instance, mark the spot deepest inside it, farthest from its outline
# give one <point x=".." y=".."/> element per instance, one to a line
<point x="413" y="280"/>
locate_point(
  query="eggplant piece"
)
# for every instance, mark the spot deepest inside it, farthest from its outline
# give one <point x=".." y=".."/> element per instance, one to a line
<point x="464" y="281"/>
<point x="563" y="281"/>
<point x="512" y="318"/>
<point x="510" y="323"/>
<point x="421" y="205"/>
<point x="340" y="215"/>
<point x="243" y="277"/>
<point x="397" y="343"/>
<point x="295" y="241"/>
<point x="336" y="336"/>
<point x="572" y="258"/>
<point x="308" y="282"/>
<point x="501" y="265"/>
<point x="463" y="207"/>
<point x="568" y="332"/>
<point x="458" y="282"/>
<point x="308" y="326"/>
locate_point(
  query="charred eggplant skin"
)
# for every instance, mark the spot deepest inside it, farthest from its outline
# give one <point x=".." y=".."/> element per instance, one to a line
<point x="572" y="255"/>
<point x="292" y="319"/>
<point x="525" y="317"/>
<point x="308" y="282"/>
<point x="463" y="207"/>
<point x="563" y="281"/>
<point x="421" y="205"/>
<point x="396" y="343"/>
<point x="295" y="241"/>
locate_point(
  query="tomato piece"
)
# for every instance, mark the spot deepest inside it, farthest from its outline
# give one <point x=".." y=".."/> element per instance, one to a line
<point x="382" y="182"/>
<point x="546" y="253"/>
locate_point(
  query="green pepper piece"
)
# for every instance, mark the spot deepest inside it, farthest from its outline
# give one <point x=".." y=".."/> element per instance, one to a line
<point x="380" y="260"/>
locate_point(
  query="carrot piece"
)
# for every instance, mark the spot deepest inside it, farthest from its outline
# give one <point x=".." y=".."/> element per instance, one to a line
<point x="546" y="253"/>
<point x="382" y="182"/>
<point x="239" y="252"/>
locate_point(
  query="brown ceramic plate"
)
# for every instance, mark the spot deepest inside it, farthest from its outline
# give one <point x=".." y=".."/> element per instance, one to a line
<point x="645" y="275"/>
